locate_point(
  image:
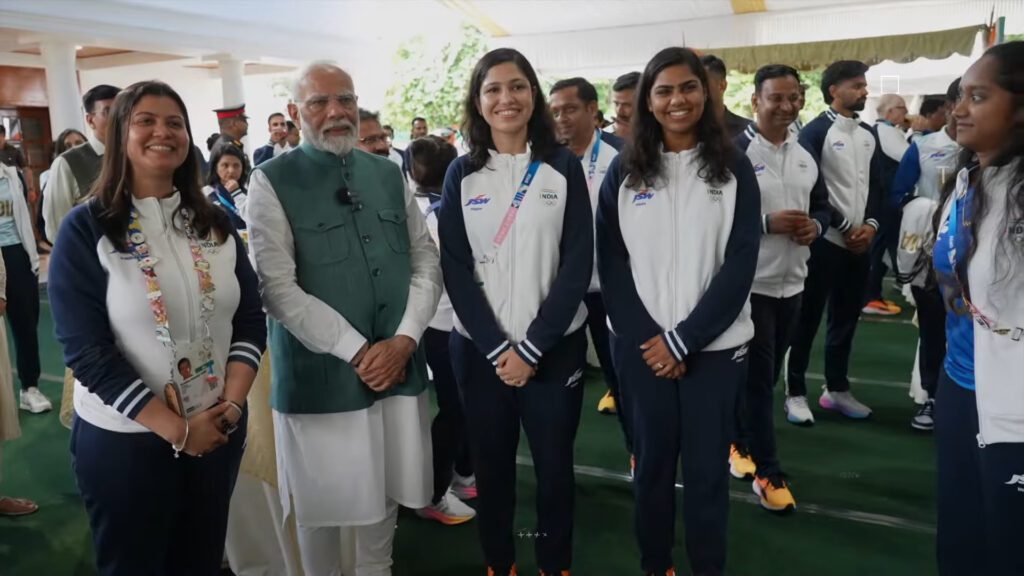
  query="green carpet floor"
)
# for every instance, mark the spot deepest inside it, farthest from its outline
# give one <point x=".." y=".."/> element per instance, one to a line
<point x="865" y="490"/>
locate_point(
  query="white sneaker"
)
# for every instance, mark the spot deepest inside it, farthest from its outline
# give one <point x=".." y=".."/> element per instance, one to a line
<point x="845" y="404"/>
<point x="34" y="401"/>
<point x="464" y="487"/>
<point x="450" y="511"/>
<point x="798" y="412"/>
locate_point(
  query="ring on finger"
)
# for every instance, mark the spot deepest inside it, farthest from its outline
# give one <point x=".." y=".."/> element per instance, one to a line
<point x="659" y="366"/>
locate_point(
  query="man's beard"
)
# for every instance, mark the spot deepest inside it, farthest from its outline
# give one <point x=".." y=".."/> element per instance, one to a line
<point x="337" y="145"/>
<point x="858" y="105"/>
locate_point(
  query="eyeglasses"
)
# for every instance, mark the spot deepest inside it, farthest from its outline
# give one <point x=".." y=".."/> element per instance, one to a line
<point x="318" y="103"/>
<point x="374" y="140"/>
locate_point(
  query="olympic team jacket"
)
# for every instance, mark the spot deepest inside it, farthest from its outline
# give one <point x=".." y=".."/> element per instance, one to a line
<point x="528" y="293"/>
<point x="925" y="167"/>
<point x="996" y="279"/>
<point x="103" y="318"/>
<point x="845" y="150"/>
<point x="789" y="179"/>
<point x="678" y="259"/>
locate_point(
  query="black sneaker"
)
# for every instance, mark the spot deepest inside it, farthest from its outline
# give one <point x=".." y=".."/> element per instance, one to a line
<point x="924" y="419"/>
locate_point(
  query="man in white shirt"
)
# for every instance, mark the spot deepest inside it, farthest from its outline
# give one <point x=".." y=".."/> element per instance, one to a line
<point x="350" y="279"/>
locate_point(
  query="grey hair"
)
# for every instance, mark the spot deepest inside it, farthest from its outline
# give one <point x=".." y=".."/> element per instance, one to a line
<point x="366" y="115"/>
<point x="888" y="102"/>
<point x="303" y="74"/>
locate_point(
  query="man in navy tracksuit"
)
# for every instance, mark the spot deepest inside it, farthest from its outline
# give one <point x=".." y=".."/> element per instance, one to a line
<point x="846" y="152"/>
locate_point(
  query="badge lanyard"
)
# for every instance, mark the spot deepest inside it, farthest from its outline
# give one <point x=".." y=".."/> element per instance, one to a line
<point x="157" y="305"/>
<point x="227" y="202"/>
<point x="592" y="169"/>
<point x="513" y="210"/>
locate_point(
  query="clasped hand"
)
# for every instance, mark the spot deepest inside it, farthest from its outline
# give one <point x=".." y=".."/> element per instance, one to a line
<point x="382" y="365"/>
<point x="660" y="359"/>
<point x="513" y="370"/>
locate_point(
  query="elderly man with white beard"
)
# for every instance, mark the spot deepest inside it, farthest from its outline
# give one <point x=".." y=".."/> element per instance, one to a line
<point x="350" y="279"/>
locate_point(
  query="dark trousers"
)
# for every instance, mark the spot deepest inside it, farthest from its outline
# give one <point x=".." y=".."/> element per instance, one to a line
<point x="597" y="321"/>
<point x="774" y="322"/>
<point x="448" y="431"/>
<point x="980" y="491"/>
<point x="884" y="244"/>
<point x="548" y="409"/>
<point x="689" y="420"/>
<point x="836" y="277"/>
<point x="23" y="312"/>
<point x="931" y="321"/>
<point x="150" y="513"/>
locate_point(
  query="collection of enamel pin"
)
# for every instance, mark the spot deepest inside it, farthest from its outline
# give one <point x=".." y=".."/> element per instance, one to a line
<point x="147" y="263"/>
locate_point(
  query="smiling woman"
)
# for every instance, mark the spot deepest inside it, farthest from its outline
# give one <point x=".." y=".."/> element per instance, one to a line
<point x="136" y="411"/>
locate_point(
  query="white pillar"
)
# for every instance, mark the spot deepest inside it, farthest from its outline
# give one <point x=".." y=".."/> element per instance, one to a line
<point x="62" y="91"/>
<point x="232" y="72"/>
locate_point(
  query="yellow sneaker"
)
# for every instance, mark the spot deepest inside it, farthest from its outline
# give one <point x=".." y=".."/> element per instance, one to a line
<point x="774" y="493"/>
<point x="607" y="403"/>
<point x="741" y="466"/>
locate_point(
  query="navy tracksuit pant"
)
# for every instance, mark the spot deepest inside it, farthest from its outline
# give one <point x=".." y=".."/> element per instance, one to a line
<point x="774" y="322"/>
<point x="548" y="409"/>
<point x="690" y="420"/>
<point x="152" y="514"/>
<point x="980" y="491"/>
<point x="23" y="312"/>
<point x="597" y="321"/>
<point x="931" y="321"/>
<point x="836" y="277"/>
<point x="448" y="430"/>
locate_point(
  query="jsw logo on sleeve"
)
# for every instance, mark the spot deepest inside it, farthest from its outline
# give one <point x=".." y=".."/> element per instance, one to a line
<point x="839" y="145"/>
<point x="477" y="201"/>
<point x="641" y="197"/>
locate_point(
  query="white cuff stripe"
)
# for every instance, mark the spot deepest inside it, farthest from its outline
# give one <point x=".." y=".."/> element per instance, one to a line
<point x="526" y="354"/>
<point x="127" y="391"/>
<point x="532" y="348"/>
<point x="672" y="346"/>
<point x="245" y="357"/>
<point x="497" y="351"/>
<point x="145" y="392"/>
<point x="254" y="348"/>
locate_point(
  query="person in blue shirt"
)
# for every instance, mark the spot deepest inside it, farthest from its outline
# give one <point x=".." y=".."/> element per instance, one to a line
<point x="226" y="183"/>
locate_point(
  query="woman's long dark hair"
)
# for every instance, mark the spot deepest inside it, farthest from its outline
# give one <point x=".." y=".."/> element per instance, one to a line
<point x="642" y="157"/>
<point x="1009" y="58"/>
<point x="112" y="190"/>
<point x="58" y="145"/>
<point x="476" y="130"/>
<point x="219" y="151"/>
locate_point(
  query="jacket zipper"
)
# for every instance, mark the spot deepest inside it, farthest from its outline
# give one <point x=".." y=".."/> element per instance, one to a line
<point x="675" y="237"/>
<point x="512" y="253"/>
<point x="181" y="270"/>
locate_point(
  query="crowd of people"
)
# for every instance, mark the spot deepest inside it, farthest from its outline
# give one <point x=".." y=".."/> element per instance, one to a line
<point x="319" y="290"/>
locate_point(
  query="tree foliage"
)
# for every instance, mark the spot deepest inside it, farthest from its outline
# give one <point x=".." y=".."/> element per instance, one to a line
<point x="431" y="80"/>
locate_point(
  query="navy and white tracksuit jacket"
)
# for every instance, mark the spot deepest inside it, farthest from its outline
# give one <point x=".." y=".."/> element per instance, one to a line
<point x="845" y="151"/>
<point x="608" y="150"/>
<point x="678" y="258"/>
<point x="104" y="322"/>
<point x="529" y="293"/>
<point x="788" y="179"/>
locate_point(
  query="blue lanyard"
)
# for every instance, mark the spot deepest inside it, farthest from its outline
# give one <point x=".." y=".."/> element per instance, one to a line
<point x="593" y="158"/>
<point x="226" y="202"/>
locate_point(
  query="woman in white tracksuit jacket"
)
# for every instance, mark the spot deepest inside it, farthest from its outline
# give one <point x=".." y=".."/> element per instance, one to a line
<point x="517" y="248"/>
<point x="979" y="432"/>
<point x="677" y="242"/>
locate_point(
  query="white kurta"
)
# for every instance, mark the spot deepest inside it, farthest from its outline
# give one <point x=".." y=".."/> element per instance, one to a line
<point x="340" y="469"/>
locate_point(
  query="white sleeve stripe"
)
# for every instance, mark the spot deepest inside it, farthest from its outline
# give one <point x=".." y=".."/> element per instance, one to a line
<point x="682" y="345"/>
<point x="497" y="351"/>
<point x="126" y="393"/>
<point x="248" y="358"/>
<point x="145" y="392"/>
<point x="532" y="348"/>
<point x="240" y="344"/>
<point x="526" y="354"/>
<point x="672" y="347"/>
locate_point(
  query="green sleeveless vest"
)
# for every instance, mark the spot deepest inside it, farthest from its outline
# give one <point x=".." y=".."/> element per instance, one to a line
<point x="353" y="257"/>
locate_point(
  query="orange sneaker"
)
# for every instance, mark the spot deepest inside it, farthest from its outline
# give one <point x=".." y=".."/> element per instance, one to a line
<point x="881" y="308"/>
<point x="562" y="573"/>
<point x="669" y="572"/>
<point x="511" y="572"/>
